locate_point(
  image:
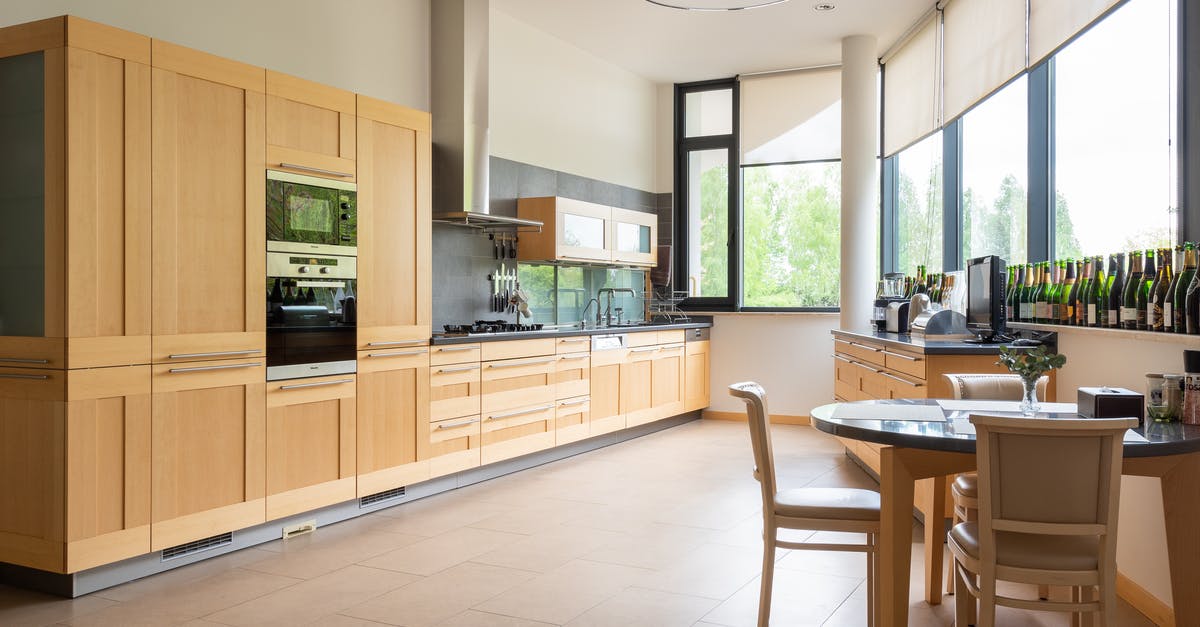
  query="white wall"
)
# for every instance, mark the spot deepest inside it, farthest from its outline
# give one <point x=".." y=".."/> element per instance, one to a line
<point x="664" y="140"/>
<point x="556" y="106"/>
<point x="788" y="354"/>
<point x="379" y="48"/>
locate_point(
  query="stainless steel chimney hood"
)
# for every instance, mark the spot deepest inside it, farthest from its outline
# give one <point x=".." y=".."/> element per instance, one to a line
<point x="459" y="67"/>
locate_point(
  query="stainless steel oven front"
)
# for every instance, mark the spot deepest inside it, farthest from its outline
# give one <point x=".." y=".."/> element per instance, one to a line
<point x="311" y="315"/>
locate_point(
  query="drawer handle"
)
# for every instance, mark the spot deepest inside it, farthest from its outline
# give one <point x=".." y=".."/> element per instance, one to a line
<point x="204" y="368"/>
<point x="520" y="412"/>
<point x="866" y="367"/>
<point x="17" y="360"/>
<point x="901" y="355"/>
<point x="31" y="377"/>
<point x="252" y="351"/>
<point x="458" y="369"/>
<point x="840" y="358"/>
<point x="400" y="354"/>
<point x="397" y="343"/>
<point x="457" y="349"/>
<point x="643" y="350"/>
<point x="574" y="358"/>
<point x="841" y="341"/>
<point x="293" y="166"/>
<point x="523" y="363"/>
<point x="316" y="384"/>
<point x="865" y="347"/>
<point x="452" y="425"/>
<point x="580" y="401"/>
<point x="900" y="379"/>
<point x="574" y="340"/>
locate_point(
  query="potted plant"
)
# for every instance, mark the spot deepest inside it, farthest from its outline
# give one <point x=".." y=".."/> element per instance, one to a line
<point x="1030" y="365"/>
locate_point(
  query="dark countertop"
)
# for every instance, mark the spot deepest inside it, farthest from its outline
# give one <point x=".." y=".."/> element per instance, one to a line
<point x="931" y="347"/>
<point x="442" y="339"/>
<point x="1164" y="438"/>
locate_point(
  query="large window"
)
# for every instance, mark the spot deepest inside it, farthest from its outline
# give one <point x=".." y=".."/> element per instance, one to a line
<point x="995" y="175"/>
<point x="919" y="206"/>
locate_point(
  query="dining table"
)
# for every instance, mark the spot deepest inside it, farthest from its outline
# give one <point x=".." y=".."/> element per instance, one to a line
<point x="934" y="438"/>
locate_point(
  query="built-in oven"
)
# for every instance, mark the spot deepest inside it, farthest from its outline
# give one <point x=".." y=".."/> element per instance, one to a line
<point x="311" y="215"/>
<point x="311" y="315"/>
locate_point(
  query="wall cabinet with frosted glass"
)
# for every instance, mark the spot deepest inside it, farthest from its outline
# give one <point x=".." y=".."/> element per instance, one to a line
<point x="575" y="230"/>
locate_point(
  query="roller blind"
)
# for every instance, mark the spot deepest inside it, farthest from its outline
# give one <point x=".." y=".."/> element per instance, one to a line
<point x="1053" y="22"/>
<point x="792" y="116"/>
<point x="983" y="47"/>
<point x="910" y="90"/>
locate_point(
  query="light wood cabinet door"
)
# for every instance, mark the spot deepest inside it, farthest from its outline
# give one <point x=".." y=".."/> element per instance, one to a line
<point x="209" y="225"/>
<point x="606" y="391"/>
<point x="311" y="444"/>
<point x="517" y="407"/>
<point x="393" y="403"/>
<point x="696" y="376"/>
<point x="310" y="128"/>
<point x="208" y="447"/>
<point x="667" y="381"/>
<point x="634" y="237"/>
<point x="450" y="438"/>
<point x="395" y="228"/>
<point x="637" y="386"/>
<point x="572" y="420"/>
<point x="574" y="230"/>
<point x="573" y="375"/>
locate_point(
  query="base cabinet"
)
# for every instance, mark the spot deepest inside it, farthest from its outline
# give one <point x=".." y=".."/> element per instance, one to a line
<point x="696" y="376"/>
<point x="392" y="400"/>
<point x="311" y="444"/>
<point x="607" y="387"/>
<point x="517" y="409"/>
<point x="449" y="439"/>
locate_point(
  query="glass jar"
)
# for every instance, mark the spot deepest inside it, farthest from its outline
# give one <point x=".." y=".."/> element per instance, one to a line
<point x="1164" y="397"/>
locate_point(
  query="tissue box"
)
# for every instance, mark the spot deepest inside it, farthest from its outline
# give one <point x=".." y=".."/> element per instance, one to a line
<point x="1107" y="402"/>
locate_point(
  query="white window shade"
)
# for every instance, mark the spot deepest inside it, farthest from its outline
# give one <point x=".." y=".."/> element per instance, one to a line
<point x="1053" y="22"/>
<point x="983" y="47"/>
<point x="910" y="90"/>
<point x="792" y="116"/>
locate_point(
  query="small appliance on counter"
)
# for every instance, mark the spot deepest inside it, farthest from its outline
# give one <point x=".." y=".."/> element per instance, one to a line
<point x="891" y="290"/>
<point x="928" y="323"/>
<point x="896" y="316"/>
<point x="1106" y="402"/>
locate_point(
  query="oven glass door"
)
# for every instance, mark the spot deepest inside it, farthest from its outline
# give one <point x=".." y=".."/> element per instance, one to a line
<point x="296" y="352"/>
<point x="308" y="210"/>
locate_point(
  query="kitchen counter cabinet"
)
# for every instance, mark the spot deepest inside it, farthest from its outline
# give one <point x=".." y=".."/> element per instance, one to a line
<point x="517" y="408"/>
<point x="696" y="370"/>
<point x="573" y="387"/>
<point x="449" y="439"/>
<point x="607" y="390"/>
<point x="393" y="407"/>
<point x="310" y="128"/>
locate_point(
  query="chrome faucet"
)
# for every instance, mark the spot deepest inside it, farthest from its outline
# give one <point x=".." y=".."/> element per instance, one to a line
<point x="608" y="309"/>
<point x="583" y="315"/>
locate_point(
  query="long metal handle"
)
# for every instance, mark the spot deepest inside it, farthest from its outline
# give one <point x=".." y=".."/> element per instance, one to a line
<point x="523" y="363"/>
<point x="520" y="412"/>
<point x="17" y="360"/>
<point x="33" y="377"/>
<point x="839" y="357"/>
<point x="864" y="346"/>
<point x="249" y="351"/>
<point x="315" y="385"/>
<point x="571" y="403"/>
<point x="400" y="354"/>
<point x="224" y="367"/>
<point x="843" y="341"/>
<point x="643" y="350"/>
<point x="293" y="166"/>
<point x="456" y="349"/>
<point x="575" y="358"/>
<point x="900" y="379"/>
<point x="866" y="367"/>
<point x="458" y="369"/>
<point x="397" y="343"/>
<point x="460" y="423"/>
<point x="572" y="340"/>
<point x="901" y="355"/>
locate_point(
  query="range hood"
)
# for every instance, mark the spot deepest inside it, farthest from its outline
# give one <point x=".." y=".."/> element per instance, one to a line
<point x="459" y="67"/>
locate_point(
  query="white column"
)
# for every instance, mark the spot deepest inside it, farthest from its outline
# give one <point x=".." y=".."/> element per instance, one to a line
<point x="860" y="181"/>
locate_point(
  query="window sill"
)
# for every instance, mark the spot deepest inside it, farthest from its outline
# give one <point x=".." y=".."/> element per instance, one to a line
<point x="1190" y="341"/>
<point x="764" y="313"/>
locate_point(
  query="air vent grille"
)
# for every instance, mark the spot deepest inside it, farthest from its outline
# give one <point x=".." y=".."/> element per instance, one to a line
<point x="197" y="546"/>
<point x="379" y="497"/>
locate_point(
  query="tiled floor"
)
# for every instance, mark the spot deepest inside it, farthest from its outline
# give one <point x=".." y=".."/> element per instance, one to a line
<point x="659" y="531"/>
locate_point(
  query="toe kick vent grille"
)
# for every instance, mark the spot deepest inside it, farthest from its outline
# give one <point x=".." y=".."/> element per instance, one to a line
<point x="197" y="546"/>
<point x="379" y="497"/>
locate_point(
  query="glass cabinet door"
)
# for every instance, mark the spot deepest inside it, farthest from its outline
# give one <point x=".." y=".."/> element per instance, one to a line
<point x="582" y="230"/>
<point x="22" y="195"/>
<point x="634" y="234"/>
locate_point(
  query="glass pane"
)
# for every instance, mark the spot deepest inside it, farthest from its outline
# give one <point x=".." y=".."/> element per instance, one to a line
<point x="583" y="231"/>
<point x="708" y="222"/>
<point x="792" y="235"/>
<point x="537" y="281"/>
<point x="708" y="113"/>
<point x="632" y="238"/>
<point x="571" y="295"/>
<point x="1113" y="169"/>
<point x="643" y="245"/>
<point x="919" y="206"/>
<point x="22" y="195"/>
<point x="995" y="173"/>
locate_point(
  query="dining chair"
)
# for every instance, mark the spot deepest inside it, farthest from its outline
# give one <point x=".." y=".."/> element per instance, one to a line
<point x="1031" y="530"/>
<point x="965" y="487"/>
<point x="848" y="510"/>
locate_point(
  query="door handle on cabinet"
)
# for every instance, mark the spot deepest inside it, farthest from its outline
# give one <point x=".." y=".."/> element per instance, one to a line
<point x="316" y="384"/>
<point x="456" y="349"/>
<point x="458" y="369"/>
<point x="643" y="350"/>
<point x="901" y="355"/>
<point x="574" y="358"/>
<point x="293" y="166"/>
<point x="397" y="343"/>
<point x="30" y="377"/>
<point x="900" y="379"/>
<point x="400" y="354"/>
<point x="251" y="351"/>
<point x="18" y="360"/>
<point x="523" y="363"/>
<point x="520" y="412"/>
<point x="573" y="340"/>
<point x="452" y="425"/>
<point x="580" y="401"/>
<point x="204" y="368"/>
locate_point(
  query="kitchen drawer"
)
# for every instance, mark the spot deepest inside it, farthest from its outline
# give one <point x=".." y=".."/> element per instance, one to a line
<point x="643" y="353"/>
<point x="453" y="354"/>
<point x="516" y="383"/>
<point x="33" y="352"/>
<point x="571" y="420"/>
<point x="579" y="344"/>
<point x="901" y="386"/>
<point x="514" y="432"/>
<point x="454" y="391"/>
<point x="860" y="351"/>
<point x="873" y="384"/>
<point x="393" y="359"/>
<point x="907" y="363"/>
<point x="645" y="338"/>
<point x="375" y="337"/>
<point x="515" y="349"/>
<point x="673" y="336"/>
<point x="450" y="445"/>
<point x="573" y="376"/>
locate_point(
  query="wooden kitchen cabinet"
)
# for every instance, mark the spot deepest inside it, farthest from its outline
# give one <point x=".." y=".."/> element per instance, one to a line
<point x="311" y="444"/>
<point x="573" y="230"/>
<point x="449" y="439"/>
<point x="208" y="449"/>
<point x="607" y="385"/>
<point x="637" y="385"/>
<point x="394" y="224"/>
<point x="311" y="128"/>
<point x="209" y="182"/>
<point x="393" y="404"/>
<point x="517" y="408"/>
<point x="573" y="386"/>
<point x="634" y="237"/>
<point x="696" y="370"/>
<point x="667" y="381"/>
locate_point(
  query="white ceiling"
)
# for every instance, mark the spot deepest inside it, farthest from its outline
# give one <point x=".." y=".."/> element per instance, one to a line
<point x="673" y="46"/>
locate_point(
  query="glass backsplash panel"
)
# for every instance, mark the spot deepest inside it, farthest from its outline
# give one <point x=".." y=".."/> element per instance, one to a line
<point x="560" y="294"/>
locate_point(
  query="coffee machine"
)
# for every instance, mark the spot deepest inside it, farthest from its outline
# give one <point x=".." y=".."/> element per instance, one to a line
<point x="311" y="315"/>
<point x="891" y="290"/>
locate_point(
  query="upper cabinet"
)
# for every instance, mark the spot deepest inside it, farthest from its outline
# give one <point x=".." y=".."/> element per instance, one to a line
<point x="310" y="128"/>
<point x="575" y="230"/>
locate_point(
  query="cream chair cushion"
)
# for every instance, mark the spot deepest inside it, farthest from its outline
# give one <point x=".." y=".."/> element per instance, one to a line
<point x="1029" y="550"/>
<point x="992" y="386"/>
<point x="828" y="503"/>
<point x="967" y="485"/>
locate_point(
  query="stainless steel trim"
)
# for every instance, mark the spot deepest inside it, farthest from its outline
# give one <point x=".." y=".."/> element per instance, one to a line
<point x="457" y="369"/>
<point x="315" y="384"/>
<point x="849" y="361"/>
<point x="520" y="412"/>
<point x="456" y="349"/>
<point x="572" y="357"/>
<point x="537" y="362"/>
<point x="836" y="339"/>
<point x="572" y="340"/>
<point x="275" y="175"/>
<point x="452" y="425"/>
<point x="18" y="360"/>
<point x="274" y="246"/>
<point x="33" y="377"/>
<point x="900" y="355"/>
<point x="221" y="367"/>
<point x="317" y="369"/>
<point x="644" y="349"/>
<point x="397" y="343"/>
<point x="279" y="264"/>
<point x="900" y="379"/>
<point x="864" y="346"/>
<point x="580" y="401"/>
<point x="252" y="351"/>
<point x="400" y="354"/>
<point x="866" y="367"/>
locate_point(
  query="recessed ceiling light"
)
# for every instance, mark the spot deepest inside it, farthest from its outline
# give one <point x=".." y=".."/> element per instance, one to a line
<point x="715" y="5"/>
<point x="824" y="6"/>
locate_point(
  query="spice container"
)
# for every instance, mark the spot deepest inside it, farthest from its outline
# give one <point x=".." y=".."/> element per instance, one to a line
<point x="1164" y="397"/>
<point x="1191" y="388"/>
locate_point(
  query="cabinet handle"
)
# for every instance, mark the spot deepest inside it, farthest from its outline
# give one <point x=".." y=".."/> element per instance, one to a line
<point x="224" y="367"/>
<point x="293" y="166"/>
<point x="572" y="357"/>
<point x="458" y="369"/>
<point x="643" y="350"/>
<point x="400" y="354"/>
<point x="456" y="349"/>
<point x="17" y="360"/>
<point x="593" y="260"/>
<point x="520" y="412"/>
<point x="573" y="340"/>
<point x="900" y="379"/>
<point x="316" y="384"/>
<point x="397" y="343"/>
<point x="865" y="347"/>
<point x="574" y="402"/>
<point x="840" y="358"/>
<point x="523" y="363"/>
<point x="866" y="367"/>
<point x="901" y="355"/>
<point x="251" y="351"/>
<point x="31" y="377"/>
<point x="841" y="341"/>
<point x="452" y="425"/>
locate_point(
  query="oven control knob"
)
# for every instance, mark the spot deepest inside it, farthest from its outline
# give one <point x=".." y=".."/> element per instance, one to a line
<point x="345" y="206"/>
<point x="325" y="270"/>
<point x="302" y="269"/>
<point x="345" y="216"/>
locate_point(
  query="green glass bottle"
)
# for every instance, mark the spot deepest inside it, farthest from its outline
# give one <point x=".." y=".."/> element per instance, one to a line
<point x="1158" y="293"/>
<point x="1009" y="284"/>
<point x="1066" y="313"/>
<point x="1052" y="296"/>
<point x="1040" y="294"/>
<point x="1097" y="301"/>
<point x="1149" y="273"/>
<point x="1085" y="284"/>
<point x="1116" y="283"/>
<point x="1183" y="279"/>
<point x="1129" y="309"/>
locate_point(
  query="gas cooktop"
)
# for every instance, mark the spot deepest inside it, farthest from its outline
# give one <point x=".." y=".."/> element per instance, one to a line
<point x="484" y="327"/>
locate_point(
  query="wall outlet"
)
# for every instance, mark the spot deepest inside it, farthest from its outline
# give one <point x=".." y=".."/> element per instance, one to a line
<point x="299" y="529"/>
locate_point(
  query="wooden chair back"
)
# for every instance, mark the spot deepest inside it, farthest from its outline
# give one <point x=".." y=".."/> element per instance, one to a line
<point x="760" y="438"/>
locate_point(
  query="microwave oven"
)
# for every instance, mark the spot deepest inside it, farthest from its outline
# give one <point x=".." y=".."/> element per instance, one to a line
<point x="306" y="214"/>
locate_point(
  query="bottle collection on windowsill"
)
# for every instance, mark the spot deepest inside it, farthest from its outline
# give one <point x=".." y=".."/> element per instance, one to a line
<point x="1142" y="297"/>
<point x="940" y="287"/>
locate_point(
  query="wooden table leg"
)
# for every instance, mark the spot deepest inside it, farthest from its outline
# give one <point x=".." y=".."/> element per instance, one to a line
<point x="895" y="537"/>
<point x="1181" y="511"/>
<point x="935" y="536"/>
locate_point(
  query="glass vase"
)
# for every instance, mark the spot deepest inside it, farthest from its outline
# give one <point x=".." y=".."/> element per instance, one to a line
<point x="1029" y="402"/>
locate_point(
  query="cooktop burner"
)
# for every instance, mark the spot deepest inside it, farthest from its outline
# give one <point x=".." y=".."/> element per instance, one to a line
<point x="480" y="327"/>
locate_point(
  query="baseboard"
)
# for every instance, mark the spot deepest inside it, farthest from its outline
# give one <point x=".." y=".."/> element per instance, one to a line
<point x="1143" y="601"/>
<point x="740" y="416"/>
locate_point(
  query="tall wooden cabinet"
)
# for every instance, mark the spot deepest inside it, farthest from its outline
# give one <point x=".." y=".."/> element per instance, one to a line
<point x="311" y="444"/>
<point x="310" y="128"/>
<point x="393" y="403"/>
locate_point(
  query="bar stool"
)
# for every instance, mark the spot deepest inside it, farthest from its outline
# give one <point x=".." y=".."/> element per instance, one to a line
<point x="818" y="509"/>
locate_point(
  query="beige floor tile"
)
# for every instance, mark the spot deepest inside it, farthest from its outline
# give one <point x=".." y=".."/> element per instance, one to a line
<point x="441" y="552"/>
<point x="330" y="548"/>
<point x="798" y="599"/>
<point x="655" y="547"/>
<point x="550" y="549"/>
<point x="639" y="607"/>
<point x="19" y="608"/>
<point x="434" y="516"/>
<point x="306" y="602"/>
<point x="840" y="563"/>
<point x="473" y="618"/>
<point x="338" y="620"/>
<point x="178" y="579"/>
<point x="715" y="571"/>
<point x="564" y="593"/>
<point x="440" y="597"/>
<point x="539" y="516"/>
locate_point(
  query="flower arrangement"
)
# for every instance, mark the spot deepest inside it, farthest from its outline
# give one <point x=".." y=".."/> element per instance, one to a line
<point x="1030" y="365"/>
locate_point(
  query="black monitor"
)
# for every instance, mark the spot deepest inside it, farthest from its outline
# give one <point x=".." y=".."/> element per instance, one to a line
<point x="985" y="298"/>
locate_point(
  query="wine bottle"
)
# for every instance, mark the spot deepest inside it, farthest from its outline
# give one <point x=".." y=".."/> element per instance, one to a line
<point x="1097" y="303"/>
<point x="1158" y="290"/>
<point x="1085" y="284"/>
<point x="1026" y="305"/>
<point x="1192" y="308"/>
<point x="1183" y="279"/>
<point x="1143" y="293"/>
<point x="1010" y="280"/>
<point x="1015" y="297"/>
<point x="1052" y="297"/>
<point x="1129" y="310"/>
<point x="1172" y="287"/>
<point x="1166" y="274"/>
<point x="288" y="298"/>
<point x="1066" y="313"/>
<point x="1039" y="294"/>
<point x="276" y="297"/>
<point x="1116" y="278"/>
